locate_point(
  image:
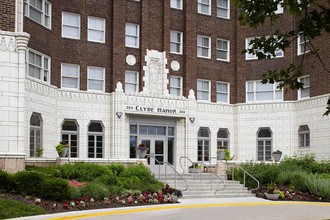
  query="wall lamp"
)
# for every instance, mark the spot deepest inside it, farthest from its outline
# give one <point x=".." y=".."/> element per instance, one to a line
<point x="119" y="114"/>
<point x="192" y="119"/>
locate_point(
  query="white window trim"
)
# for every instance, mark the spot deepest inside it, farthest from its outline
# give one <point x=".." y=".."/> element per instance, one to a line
<point x="275" y="89"/>
<point x="209" y="90"/>
<point x="228" y="92"/>
<point x="43" y="56"/>
<point x="209" y="47"/>
<point x="95" y="134"/>
<point x="299" y="43"/>
<point x="228" y="11"/>
<point x="201" y="3"/>
<point x="137" y="82"/>
<point x="299" y="91"/>
<point x="228" y="51"/>
<point x="88" y="28"/>
<point x="177" y="87"/>
<point x="254" y="56"/>
<point x="181" y="42"/>
<point x="78" y="77"/>
<point x="304" y="133"/>
<point x="88" y="78"/>
<point x="70" y="37"/>
<point x="180" y="7"/>
<point x="43" y="20"/>
<point x="138" y="35"/>
<point x="280" y="9"/>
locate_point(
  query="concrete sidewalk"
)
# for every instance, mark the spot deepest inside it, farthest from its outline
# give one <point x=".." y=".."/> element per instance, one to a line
<point x="210" y="208"/>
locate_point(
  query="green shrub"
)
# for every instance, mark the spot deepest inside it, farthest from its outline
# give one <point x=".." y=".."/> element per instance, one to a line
<point x="108" y="179"/>
<point x="140" y="171"/>
<point x="49" y="170"/>
<point x="74" y="192"/>
<point x="318" y="186"/>
<point x="55" y="189"/>
<point x="116" y="168"/>
<point x="94" y="190"/>
<point x="6" y="181"/>
<point x="307" y="163"/>
<point x="294" y="179"/>
<point x="28" y="182"/>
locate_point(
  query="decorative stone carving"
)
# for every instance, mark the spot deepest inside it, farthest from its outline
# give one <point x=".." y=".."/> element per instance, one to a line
<point x="175" y="65"/>
<point x="130" y="60"/>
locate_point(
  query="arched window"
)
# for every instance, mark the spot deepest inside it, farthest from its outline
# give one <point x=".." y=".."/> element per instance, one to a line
<point x="70" y="135"/>
<point x="264" y="146"/>
<point x="35" y="134"/>
<point x="95" y="140"/>
<point x="223" y="138"/>
<point x="203" y="144"/>
<point x="304" y="136"/>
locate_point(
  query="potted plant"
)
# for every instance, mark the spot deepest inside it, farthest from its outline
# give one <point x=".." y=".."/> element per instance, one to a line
<point x="141" y="151"/>
<point x="221" y="154"/>
<point x="195" y="168"/>
<point x="62" y="149"/>
<point x="273" y="193"/>
<point x="39" y="152"/>
<point x="277" y="155"/>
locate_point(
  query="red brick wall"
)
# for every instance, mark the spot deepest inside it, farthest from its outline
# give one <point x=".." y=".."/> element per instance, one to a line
<point x="7" y="15"/>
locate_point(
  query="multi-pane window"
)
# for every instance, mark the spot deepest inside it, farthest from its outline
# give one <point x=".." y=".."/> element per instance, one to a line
<point x="305" y="91"/>
<point x="132" y="35"/>
<point x="37" y="65"/>
<point x="223" y="8"/>
<point x="203" y="144"/>
<point x="70" y="25"/>
<point x="35" y="134"/>
<point x="133" y="130"/>
<point x="204" y="7"/>
<point x="176" y="86"/>
<point x="223" y="138"/>
<point x="39" y="11"/>
<point x="203" y="90"/>
<point x="249" y="56"/>
<point x="95" y="140"/>
<point x="203" y="46"/>
<point x="303" y="44"/>
<point x="257" y="91"/>
<point x="222" y="50"/>
<point x="222" y="92"/>
<point x="70" y="135"/>
<point x="95" y="78"/>
<point x="176" y="42"/>
<point x="96" y="29"/>
<point x="264" y="144"/>
<point x="177" y="4"/>
<point x="70" y="76"/>
<point x="131" y="82"/>
<point x="304" y="136"/>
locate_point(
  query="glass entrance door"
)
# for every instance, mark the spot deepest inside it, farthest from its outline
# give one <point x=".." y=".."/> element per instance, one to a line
<point x="156" y="153"/>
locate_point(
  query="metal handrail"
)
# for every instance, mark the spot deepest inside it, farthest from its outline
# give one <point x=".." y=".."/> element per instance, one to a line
<point x="212" y="172"/>
<point x="170" y="165"/>
<point x="244" y="174"/>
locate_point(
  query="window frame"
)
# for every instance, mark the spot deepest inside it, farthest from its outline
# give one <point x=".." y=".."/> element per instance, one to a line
<point x="42" y="67"/>
<point x="174" y="5"/>
<point x="302" y="44"/>
<point x="201" y="90"/>
<point x="204" y="47"/>
<point x="304" y="136"/>
<point x="274" y="90"/>
<point x="71" y="26"/>
<point x="91" y="29"/>
<point x="70" y="133"/>
<point x="223" y="8"/>
<point x="223" y="50"/>
<point x="68" y="76"/>
<point x="176" y="88"/>
<point x="304" y="87"/>
<point x="95" y="79"/>
<point x="249" y="56"/>
<point x="180" y="43"/>
<point x="280" y="9"/>
<point x="137" y="37"/>
<point x="35" y="129"/>
<point x="205" y="153"/>
<point x="201" y="3"/>
<point x="264" y="139"/>
<point x="95" y="134"/>
<point x="136" y="83"/>
<point x="43" y="22"/>
<point x="222" y="140"/>
<point x="220" y="92"/>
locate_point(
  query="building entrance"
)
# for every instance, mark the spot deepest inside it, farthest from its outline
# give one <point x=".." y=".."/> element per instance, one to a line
<point x="157" y="151"/>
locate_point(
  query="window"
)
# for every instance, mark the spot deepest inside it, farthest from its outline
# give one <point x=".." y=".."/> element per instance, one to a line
<point x="222" y="50"/>
<point x="279" y="9"/>
<point x="39" y="11"/>
<point x="132" y="35"/>
<point x="176" y="86"/>
<point x="131" y="82"/>
<point x="37" y="65"/>
<point x="70" y="25"/>
<point x="95" y="78"/>
<point x="305" y="91"/>
<point x="223" y="138"/>
<point x="304" y="136"/>
<point x="70" y="76"/>
<point x="203" y="144"/>
<point x="204" y="7"/>
<point x="95" y="140"/>
<point x="35" y="134"/>
<point x="256" y="91"/>
<point x="223" y="8"/>
<point x="203" y="90"/>
<point x="203" y="46"/>
<point x="303" y="44"/>
<point x="70" y="136"/>
<point x="222" y="92"/>
<point x="176" y="42"/>
<point x="177" y="4"/>
<point x="96" y="29"/>
<point x="249" y="56"/>
<point x="264" y="146"/>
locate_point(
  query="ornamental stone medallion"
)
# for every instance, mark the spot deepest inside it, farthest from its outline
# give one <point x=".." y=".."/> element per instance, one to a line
<point x="155" y="73"/>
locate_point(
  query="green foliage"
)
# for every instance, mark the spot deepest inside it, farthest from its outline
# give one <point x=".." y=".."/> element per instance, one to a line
<point x="59" y="148"/>
<point x="295" y="179"/>
<point x="318" y="186"/>
<point x="227" y="154"/>
<point x="140" y="171"/>
<point x="13" y="209"/>
<point x="73" y="192"/>
<point x="116" y="168"/>
<point x="49" y="170"/>
<point x="6" y="181"/>
<point x="54" y="188"/>
<point x="94" y="190"/>
<point x="28" y="182"/>
<point x="108" y="179"/>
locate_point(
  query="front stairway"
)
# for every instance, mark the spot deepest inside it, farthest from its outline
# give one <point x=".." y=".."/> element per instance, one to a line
<point x="204" y="185"/>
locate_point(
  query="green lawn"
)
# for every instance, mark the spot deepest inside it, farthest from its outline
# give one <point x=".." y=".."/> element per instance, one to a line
<point x="13" y="209"/>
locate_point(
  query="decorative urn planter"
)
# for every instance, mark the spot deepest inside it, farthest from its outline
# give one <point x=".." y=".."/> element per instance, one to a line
<point x="141" y="153"/>
<point x="272" y="196"/>
<point x="221" y="154"/>
<point x="195" y="168"/>
<point x="277" y="155"/>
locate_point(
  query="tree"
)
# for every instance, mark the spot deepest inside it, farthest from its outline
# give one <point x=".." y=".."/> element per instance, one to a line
<point x="313" y="20"/>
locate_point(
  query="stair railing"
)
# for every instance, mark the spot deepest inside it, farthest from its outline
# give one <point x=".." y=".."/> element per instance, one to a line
<point x="200" y="175"/>
<point x="244" y="174"/>
<point x="167" y="164"/>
